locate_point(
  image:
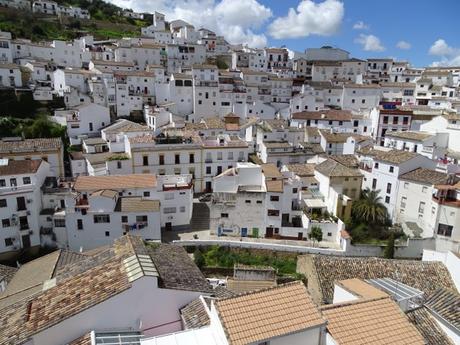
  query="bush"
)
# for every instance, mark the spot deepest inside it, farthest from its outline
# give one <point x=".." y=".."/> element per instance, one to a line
<point x="199" y="258"/>
<point x="389" y="252"/>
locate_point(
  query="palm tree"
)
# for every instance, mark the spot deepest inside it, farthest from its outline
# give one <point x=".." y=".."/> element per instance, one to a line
<point x="369" y="208"/>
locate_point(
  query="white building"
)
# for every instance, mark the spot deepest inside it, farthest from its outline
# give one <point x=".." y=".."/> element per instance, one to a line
<point x="10" y="75"/>
<point x="20" y="204"/>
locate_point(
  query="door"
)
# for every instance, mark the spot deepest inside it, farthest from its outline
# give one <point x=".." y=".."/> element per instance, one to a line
<point x="300" y="236"/>
<point x="208" y="186"/>
<point x="269" y="232"/>
<point x="25" y="241"/>
<point x="244" y="232"/>
<point x="168" y="226"/>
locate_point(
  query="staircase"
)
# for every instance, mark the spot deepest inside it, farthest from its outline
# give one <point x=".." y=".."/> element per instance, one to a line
<point x="200" y="216"/>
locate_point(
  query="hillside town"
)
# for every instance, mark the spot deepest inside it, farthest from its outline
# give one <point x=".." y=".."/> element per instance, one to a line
<point x="179" y="146"/>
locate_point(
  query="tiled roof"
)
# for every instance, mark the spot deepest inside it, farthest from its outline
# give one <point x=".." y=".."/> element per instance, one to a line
<point x="409" y="135"/>
<point x="392" y="156"/>
<point x="20" y="167"/>
<point x="84" y="283"/>
<point x="137" y="204"/>
<point x="240" y="286"/>
<point x="31" y="145"/>
<point x="428" y="327"/>
<point x="271" y="171"/>
<point x="7" y="273"/>
<point x="361" y="289"/>
<point x="176" y="269"/>
<point x="125" y="126"/>
<point x="332" y="168"/>
<point x="276" y="144"/>
<point x="350" y="161"/>
<point x="377" y="321"/>
<point x="332" y="137"/>
<point x="274" y="186"/>
<point x="446" y="304"/>
<point x="83" y="340"/>
<point x="301" y="170"/>
<point x="116" y="182"/>
<point x="195" y="314"/>
<point x="421" y="275"/>
<point x="326" y="115"/>
<point x="266" y="314"/>
<point x="425" y="176"/>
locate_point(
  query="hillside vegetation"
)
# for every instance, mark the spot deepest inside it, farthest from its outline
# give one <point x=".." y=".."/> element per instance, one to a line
<point x="105" y="23"/>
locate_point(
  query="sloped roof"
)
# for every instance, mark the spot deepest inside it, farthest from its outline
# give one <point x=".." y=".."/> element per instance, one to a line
<point x="20" y="167"/>
<point x="409" y="135"/>
<point x="115" y="182"/>
<point x="446" y="304"/>
<point x="125" y="126"/>
<point x="30" y="145"/>
<point x="269" y="313"/>
<point x="137" y="204"/>
<point x="195" y="315"/>
<point x="425" y="176"/>
<point x="376" y="321"/>
<point x="307" y="169"/>
<point x="328" y="114"/>
<point x="428" y="327"/>
<point x="332" y="168"/>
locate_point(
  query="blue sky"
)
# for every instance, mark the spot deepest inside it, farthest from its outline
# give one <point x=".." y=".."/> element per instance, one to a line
<point x="423" y="32"/>
<point x="420" y="23"/>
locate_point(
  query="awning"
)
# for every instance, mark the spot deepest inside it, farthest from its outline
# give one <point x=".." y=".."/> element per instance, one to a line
<point x="314" y="203"/>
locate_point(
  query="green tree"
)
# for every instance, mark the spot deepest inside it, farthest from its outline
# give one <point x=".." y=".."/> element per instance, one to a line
<point x="316" y="234"/>
<point x="389" y="251"/>
<point x="369" y="208"/>
<point x="198" y="257"/>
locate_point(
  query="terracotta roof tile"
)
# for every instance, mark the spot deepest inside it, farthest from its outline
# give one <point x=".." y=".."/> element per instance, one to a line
<point x="268" y="313"/>
<point x="20" y="167"/>
<point x="327" y="115"/>
<point x="361" y="289"/>
<point x="332" y="168"/>
<point x="31" y="145"/>
<point x="377" y="322"/>
<point x="116" y="182"/>
<point x="425" y="176"/>
<point x="137" y="204"/>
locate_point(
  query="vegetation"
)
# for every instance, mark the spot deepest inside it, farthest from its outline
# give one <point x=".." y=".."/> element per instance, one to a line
<point x="119" y="157"/>
<point x="369" y="208"/>
<point x="218" y="256"/>
<point x="316" y="234"/>
<point x="39" y="127"/>
<point x="389" y="251"/>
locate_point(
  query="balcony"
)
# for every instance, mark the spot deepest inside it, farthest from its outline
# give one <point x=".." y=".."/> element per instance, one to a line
<point x="446" y="200"/>
<point x="24" y="226"/>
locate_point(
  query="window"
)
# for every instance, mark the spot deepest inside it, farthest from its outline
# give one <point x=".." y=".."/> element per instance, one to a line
<point x="79" y="224"/>
<point x="21" y="202"/>
<point x="403" y="202"/>
<point x="13" y="182"/>
<point x="8" y="242"/>
<point x="191" y="158"/>
<point x="59" y="223"/>
<point x="3" y="203"/>
<point x="118" y="165"/>
<point x="274" y="198"/>
<point x="182" y="209"/>
<point x="2" y="183"/>
<point x="376" y="165"/>
<point x="145" y="160"/>
<point x="124" y="219"/>
<point x="392" y="169"/>
<point x="273" y="213"/>
<point x="424" y="189"/>
<point x="161" y="160"/>
<point x="421" y="207"/>
<point x="406" y="185"/>
<point x="294" y="190"/>
<point x="6" y="222"/>
<point x="224" y="215"/>
<point x="167" y="210"/>
<point x="247" y="201"/>
<point x="26" y="180"/>
<point x="445" y="230"/>
<point x="146" y="194"/>
<point x="208" y="170"/>
<point x="374" y="183"/>
<point x="107" y="234"/>
<point x="169" y="196"/>
<point x="259" y="201"/>
<point x="388" y="188"/>
<point x="219" y="156"/>
<point x="101" y="218"/>
<point x="177" y="159"/>
<point x="387" y="199"/>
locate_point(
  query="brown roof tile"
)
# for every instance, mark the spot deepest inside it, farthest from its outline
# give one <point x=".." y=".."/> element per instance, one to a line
<point x="378" y="322"/>
<point x="361" y="289"/>
<point x="425" y="176"/>
<point x="137" y="204"/>
<point x="327" y="115"/>
<point x="116" y="182"/>
<point x="445" y="303"/>
<point x="30" y="145"/>
<point x="266" y="314"/>
<point x="428" y="327"/>
<point x="20" y="167"/>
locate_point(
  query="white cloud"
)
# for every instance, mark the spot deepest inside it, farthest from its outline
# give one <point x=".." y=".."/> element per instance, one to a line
<point x="360" y="25"/>
<point x="449" y="55"/>
<point x="309" y="18"/>
<point x="370" y="43"/>
<point x="237" y="20"/>
<point x="403" y="45"/>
